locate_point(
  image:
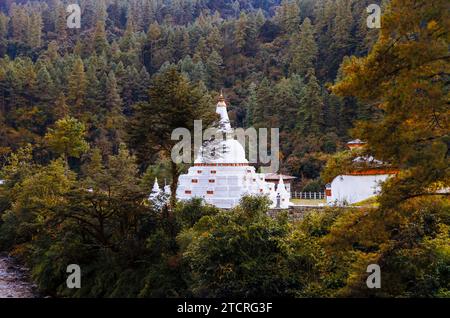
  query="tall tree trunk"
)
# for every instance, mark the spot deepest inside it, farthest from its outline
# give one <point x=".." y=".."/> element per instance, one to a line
<point x="175" y="172"/>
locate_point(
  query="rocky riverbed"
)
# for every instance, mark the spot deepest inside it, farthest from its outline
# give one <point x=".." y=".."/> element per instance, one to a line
<point x="13" y="280"/>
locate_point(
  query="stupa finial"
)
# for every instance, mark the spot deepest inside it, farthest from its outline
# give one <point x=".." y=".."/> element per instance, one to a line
<point x="155" y="186"/>
<point x="221" y="98"/>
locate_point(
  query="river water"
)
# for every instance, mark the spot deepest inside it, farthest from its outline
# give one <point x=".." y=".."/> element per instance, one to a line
<point x="13" y="280"/>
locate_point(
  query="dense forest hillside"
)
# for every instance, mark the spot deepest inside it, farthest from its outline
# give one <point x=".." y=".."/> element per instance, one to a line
<point x="86" y="117"/>
<point x="273" y="59"/>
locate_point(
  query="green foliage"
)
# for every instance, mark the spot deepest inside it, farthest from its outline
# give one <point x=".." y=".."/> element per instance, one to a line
<point x="401" y="75"/>
<point x="410" y="243"/>
<point x="189" y="213"/>
<point x="177" y="103"/>
<point x="126" y="249"/>
<point x="313" y="186"/>
<point x="106" y="67"/>
<point x="35" y="198"/>
<point x="311" y="111"/>
<point x="67" y="138"/>
<point x="147" y="65"/>
<point x="235" y="253"/>
<point x="340" y="163"/>
<point x="304" y="49"/>
<point x="98" y="222"/>
<point x="77" y="87"/>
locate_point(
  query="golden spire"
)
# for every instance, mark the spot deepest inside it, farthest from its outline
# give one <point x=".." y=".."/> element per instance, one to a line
<point x="221" y="98"/>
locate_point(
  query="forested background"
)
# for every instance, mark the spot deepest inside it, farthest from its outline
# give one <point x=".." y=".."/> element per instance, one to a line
<point x="272" y="59"/>
<point x="85" y="123"/>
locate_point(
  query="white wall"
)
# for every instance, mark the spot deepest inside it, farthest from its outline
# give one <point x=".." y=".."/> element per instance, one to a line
<point x="231" y="183"/>
<point x="351" y="189"/>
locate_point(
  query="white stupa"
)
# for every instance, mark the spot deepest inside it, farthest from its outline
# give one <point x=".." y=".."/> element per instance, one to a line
<point x="158" y="197"/>
<point x="282" y="195"/>
<point x="155" y="190"/>
<point x="221" y="174"/>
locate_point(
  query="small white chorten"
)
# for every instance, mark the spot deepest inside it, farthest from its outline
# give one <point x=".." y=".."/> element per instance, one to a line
<point x="158" y="197"/>
<point x="155" y="190"/>
<point x="282" y="195"/>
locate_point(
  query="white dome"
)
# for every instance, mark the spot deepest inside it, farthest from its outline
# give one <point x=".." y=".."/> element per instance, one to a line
<point x="226" y="151"/>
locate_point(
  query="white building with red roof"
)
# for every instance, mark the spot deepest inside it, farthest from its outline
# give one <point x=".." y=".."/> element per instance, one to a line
<point x="358" y="185"/>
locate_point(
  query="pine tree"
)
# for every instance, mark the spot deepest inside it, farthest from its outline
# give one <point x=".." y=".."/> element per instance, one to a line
<point x="327" y="63"/>
<point x="185" y="44"/>
<point x="99" y="41"/>
<point x="102" y="104"/>
<point x="61" y="27"/>
<point x="114" y="118"/>
<point x="35" y="30"/>
<point x="153" y="45"/>
<point x="285" y="103"/>
<point x="129" y="88"/>
<point x="52" y="53"/>
<point x="90" y="14"/>
<point x="30" y="82"/>
<point x="113" y="100"/>
<point x="310" y="117"/>
<point x="251" y="47"/>
<point x="67" y="138"/>
<point x="332" y="114"/>
<point x="214" y="66"/>
<point x="3" y="26"/>
<point x="260" y="18"/>
<point x="304" y="49"/>
<point x="94" y="170"/>
<point x="79" y="48"/>
<point x="77" y="85"/>
<point x="170" y="47"/>
<point x="241" y="32"/>
<point x="365" y="37"/>
<point x="114" y="14"/>
<point x="343" y="24"/>
<point x="186" y="65"/>
<point x="173" y="102"/>
<point x="100" y="10"/>
<point x="288" y="16"/>
<point x="148" y="15"/>
<point x="236" y="8"/>
<point x="199" y="73"/>
<point x="92" y="99"/>
<point x="45" y="87"/>
<point x="262" y="115"/>
<point x="61" y="109"/>
<point x="201" y="51"/>
<point x="19" y="23"/>
<point x="120" y="72"/>
<point x="214" y="40"/>
<point x="251" y="104"/>
<point x="142" y="85"/>
<point x="153" y="34"/>
<point x="407" y="78"/>
<point x="128" y="41"/>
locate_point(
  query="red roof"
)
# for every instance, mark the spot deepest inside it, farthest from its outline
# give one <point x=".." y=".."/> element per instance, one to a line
<point x="369" y="172"/>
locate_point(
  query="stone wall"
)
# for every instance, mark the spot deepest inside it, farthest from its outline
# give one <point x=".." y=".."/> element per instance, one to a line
<point x="295" y="213"/>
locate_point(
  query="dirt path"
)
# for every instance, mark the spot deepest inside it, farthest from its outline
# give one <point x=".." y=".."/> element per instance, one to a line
<point x="13" y="283"/>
